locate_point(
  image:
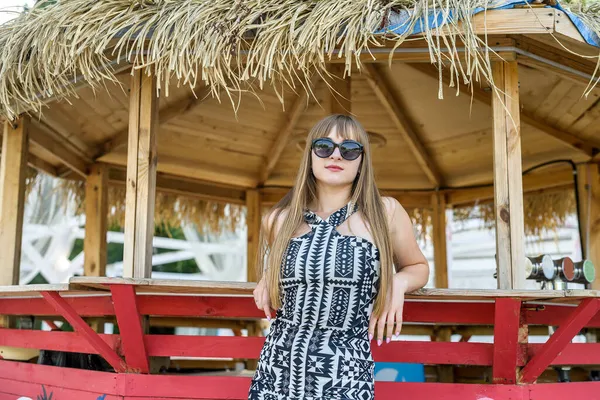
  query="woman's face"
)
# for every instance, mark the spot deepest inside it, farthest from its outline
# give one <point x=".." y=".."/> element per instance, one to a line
<point x="335" y="170"/>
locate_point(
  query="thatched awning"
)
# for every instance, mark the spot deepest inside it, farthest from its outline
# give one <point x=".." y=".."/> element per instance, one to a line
<point x="231" y="45"/>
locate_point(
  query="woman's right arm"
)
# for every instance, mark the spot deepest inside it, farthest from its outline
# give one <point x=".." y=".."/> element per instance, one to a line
<point x="261" y="292"/>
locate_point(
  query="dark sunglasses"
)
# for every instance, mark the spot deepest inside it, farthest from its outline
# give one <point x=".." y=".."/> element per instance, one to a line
<point x="349" y="149"/>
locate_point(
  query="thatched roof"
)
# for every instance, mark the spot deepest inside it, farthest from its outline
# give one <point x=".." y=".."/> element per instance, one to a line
<point x="228" y="44"/>
<point x="57" y="51"/>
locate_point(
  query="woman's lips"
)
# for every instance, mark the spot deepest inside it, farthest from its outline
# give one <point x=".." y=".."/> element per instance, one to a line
<point x="334" y="168"/>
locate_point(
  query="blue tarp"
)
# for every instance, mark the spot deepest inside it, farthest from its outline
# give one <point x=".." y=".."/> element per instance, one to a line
<point x="398" y="22"/>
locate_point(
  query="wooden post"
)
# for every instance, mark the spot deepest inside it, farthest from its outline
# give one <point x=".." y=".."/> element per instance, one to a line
<point x="253" y="221"/>
<point x="141" y="177"/>
<point x="508" y="182"/>
<point x="96" y="210"/>
<point x="588" y="183"/>
<point x="340" y="99"/>
<point x="440" y="255"/>
<point x="12" y="198"/>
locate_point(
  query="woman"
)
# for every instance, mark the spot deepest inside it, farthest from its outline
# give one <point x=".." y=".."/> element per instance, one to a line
<point x="329" y="248"/>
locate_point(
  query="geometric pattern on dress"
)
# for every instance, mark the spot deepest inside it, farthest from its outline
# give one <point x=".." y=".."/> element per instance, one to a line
<point x="317" y="347"/>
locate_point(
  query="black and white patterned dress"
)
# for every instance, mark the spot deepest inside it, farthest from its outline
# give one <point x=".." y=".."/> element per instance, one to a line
<point x="318" y="346"/>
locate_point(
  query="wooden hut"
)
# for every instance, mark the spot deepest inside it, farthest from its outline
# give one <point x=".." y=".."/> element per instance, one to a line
<point x="213" y="100"/>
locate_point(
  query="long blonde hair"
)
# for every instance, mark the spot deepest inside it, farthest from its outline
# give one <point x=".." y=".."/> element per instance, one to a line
<point x="364" y="193"/>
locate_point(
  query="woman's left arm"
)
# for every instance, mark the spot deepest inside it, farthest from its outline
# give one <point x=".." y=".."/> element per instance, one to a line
<point x="413" y="271"/>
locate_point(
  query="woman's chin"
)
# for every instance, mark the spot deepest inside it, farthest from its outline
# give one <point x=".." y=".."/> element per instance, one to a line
<point x="334" y="181"/>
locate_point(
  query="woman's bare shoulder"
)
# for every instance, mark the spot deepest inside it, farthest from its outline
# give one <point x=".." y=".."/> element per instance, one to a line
<point x="394" y="210"/>
<point x="391" y="205"/>
<point x="269" y="222"/>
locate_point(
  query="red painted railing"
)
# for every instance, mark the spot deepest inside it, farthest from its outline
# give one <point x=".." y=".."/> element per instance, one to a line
<point x="129" y="351"/>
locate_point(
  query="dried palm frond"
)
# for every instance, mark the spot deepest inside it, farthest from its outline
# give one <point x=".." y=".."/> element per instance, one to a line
<point x="171" y="210"/>
<point x="542" y="212"/>
<point x="231" y="45"/>
<point x="174" y="210"/>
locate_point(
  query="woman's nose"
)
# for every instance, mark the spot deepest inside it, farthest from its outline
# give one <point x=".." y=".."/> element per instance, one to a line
<point x="336" y="153"/>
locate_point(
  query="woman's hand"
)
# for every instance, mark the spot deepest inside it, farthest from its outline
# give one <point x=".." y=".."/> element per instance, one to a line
<point x="261" y="298"/>
<point x="392" y="312"/>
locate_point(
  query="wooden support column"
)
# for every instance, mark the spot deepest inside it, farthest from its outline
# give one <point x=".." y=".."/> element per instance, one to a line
<point x="588" y="184"/>
<point x="440" y="255"/>
<point x="12" y="198"/>
<point x="341" y="96"/>
<point x="253" y="221"/>
<point x="508" y="335"/>
<point x="141" y="177"/>
<point x="508" y="182"/>
<point x="96" y="210"/>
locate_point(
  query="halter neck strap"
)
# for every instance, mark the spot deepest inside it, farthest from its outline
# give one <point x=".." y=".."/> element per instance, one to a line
<point x="335" y="219"/>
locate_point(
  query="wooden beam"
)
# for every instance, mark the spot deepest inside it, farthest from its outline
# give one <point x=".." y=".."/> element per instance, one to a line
<point x="36" y="162"/>
<point x="141" y="177"/>
<point x="508" y="182"/>
<point x="394" y="107"/>
<point x="177" y="109"/>
<point x="440" y="255"/>
<point x="282" y="139"/>
<point x="537" y="49"/>
<point x="507" y="315"/>
<point x="509" y="21"/>
<point x="41" y="135"/>
<point x="585" y="146"/>
<point x="584" y="312"/>
<point x="130" y="327"/>
<point x="554" y="179"/>
<point x="203" y="190"/>
<point x="63" y="308"/>
<point x="12" y="198"/>
<point x="340" y="99"/>
<point x="253" y="220"/>
<point x="588" y="182"/>
<point x="96" y="217"/>
<point x="41" y="165"/>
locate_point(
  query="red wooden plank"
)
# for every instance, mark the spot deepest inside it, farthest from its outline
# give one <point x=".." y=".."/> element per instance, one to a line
<point x="130" y="327"/>
<point x="506" y="345"/>
<point x="556" y="315"/>
<point x="187" y="387"/>
<point x="559" y="340"/>
<point x="561" y="391"/>
<point x="85" y="306"/>
<point x="451" y="312"/>
<point x="415" y="311"/>
<point x="249" y="347"/>
<point x="194" y="306"/>
<point x="69" y="378"/>
<point x="33" y="390"/>
<point x="462" y="353"/>
<point x="573" y="354"/>
<point x="218" y="306"/>
<point x="53" y="340"/>
<point x="204" y="346"/>
<point x="213" y="387"/>
<point x="104" y="350"/>
<point x="447" y="391"/>
<point x="168" y="387"/>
